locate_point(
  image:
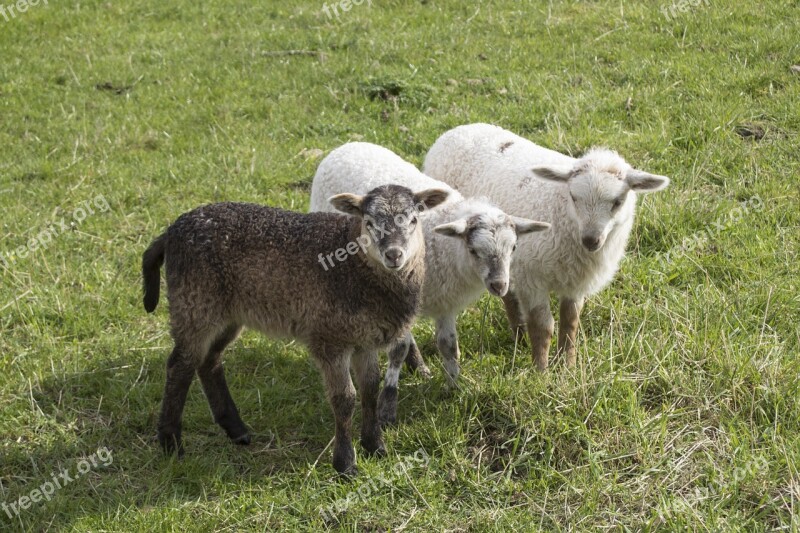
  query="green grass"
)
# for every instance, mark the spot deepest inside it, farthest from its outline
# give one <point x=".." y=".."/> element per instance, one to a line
<point x="682" y="413"/>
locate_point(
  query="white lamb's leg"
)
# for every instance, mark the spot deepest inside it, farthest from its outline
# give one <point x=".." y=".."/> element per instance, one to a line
<point x="515" y="317"/>
<point x="568" y="321"/>
<point x="447" y="343"/>
<point x="387" y="403"/>
<point x="414" y="361"/>
<point x="540" y="327"/>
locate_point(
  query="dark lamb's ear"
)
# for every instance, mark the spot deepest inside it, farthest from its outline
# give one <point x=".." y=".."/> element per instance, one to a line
<point x="348" y="203"/>
<point x="430" y="198"/>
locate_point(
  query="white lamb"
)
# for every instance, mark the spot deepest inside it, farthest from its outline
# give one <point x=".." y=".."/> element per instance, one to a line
<point x="590" y="203"/>
<point x="468" y="249"/>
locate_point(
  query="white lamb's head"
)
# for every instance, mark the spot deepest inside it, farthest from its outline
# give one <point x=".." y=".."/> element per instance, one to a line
<point x="490" y="237"/>
<point x="602" y="191"/>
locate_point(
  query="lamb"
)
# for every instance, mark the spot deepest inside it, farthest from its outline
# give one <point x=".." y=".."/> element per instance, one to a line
<point x="230" y="265"/>
<point x="469" y="243"/>
<point x="590" y="203"/>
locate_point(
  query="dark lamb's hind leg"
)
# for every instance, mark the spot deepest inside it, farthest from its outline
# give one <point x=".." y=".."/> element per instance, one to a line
<point x="180" y="372"/>
<point x="212" y="377"/>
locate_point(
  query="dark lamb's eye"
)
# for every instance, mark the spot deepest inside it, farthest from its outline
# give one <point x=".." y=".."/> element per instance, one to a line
<point x="412" y="222"/>
<point x="573" y="197"/>
<point x="369" y="225"/>
<point x="473" y="252"/>
<point x="617" y="204"/>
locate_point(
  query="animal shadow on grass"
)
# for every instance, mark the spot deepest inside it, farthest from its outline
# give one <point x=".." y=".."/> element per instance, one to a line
<point x="114" y="402"/>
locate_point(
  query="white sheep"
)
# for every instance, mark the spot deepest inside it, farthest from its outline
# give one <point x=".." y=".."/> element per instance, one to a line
<point x="468" y="241"/>
<point x="590" y="203"/>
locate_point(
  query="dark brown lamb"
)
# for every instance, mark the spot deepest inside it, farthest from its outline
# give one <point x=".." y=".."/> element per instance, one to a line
<point x="231" y="265"/>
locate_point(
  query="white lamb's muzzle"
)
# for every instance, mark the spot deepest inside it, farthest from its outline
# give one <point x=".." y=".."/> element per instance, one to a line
<point x="497" y="281"/>
<point x="497" y="287"/>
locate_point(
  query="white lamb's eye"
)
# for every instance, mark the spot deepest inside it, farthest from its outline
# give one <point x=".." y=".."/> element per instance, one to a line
<point x="573" y="197"/>
<point x="617" y="203"/>
<point x="514" y="249"/>
<point x="369" y="224"/>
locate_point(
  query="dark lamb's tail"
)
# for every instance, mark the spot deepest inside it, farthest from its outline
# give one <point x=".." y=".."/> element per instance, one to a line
<point x="152" y="259"/>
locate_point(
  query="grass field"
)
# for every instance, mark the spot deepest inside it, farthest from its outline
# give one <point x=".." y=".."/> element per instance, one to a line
<point x="684" y="410"/>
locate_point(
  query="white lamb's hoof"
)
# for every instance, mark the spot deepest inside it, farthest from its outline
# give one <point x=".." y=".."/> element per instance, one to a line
<point x="424" y="372"/>
<point x="452" y="371"/>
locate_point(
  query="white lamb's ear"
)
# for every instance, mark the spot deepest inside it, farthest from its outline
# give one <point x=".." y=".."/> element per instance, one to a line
<point x="645" y="182"/>
<point x="452" y="229"/>
<point x="524" y="225"/>
<point x="557" y="173"/>
<point x="347" y="203"/>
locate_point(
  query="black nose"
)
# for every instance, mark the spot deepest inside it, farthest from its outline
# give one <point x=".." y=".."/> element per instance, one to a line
<point x="394" y="255"/>
<point x="591" y="243"/>
<point x="498" y="287"/>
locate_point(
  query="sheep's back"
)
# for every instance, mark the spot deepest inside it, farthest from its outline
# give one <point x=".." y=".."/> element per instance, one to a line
<point x="358" y="168"/>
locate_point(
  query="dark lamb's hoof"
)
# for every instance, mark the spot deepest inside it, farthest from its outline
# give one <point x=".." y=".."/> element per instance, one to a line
<point x="171" y="444"/>
<point x="374" y="450"/>
<point x="388" y="422"/>
<point x="242" y="440"/>
<point x="387" y="407"/>
<point x="349" y="474"/>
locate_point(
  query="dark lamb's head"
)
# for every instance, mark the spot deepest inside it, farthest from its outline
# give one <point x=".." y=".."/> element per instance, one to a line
<point x="390" y="232"/>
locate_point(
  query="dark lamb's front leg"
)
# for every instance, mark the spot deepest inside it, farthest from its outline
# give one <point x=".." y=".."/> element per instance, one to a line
<point x="368" y="378"/>
<point x="569" y="319"/>
<point x="212" y="377"/>
<point x="335" y="367"/>
<point x="180" y="372"/>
